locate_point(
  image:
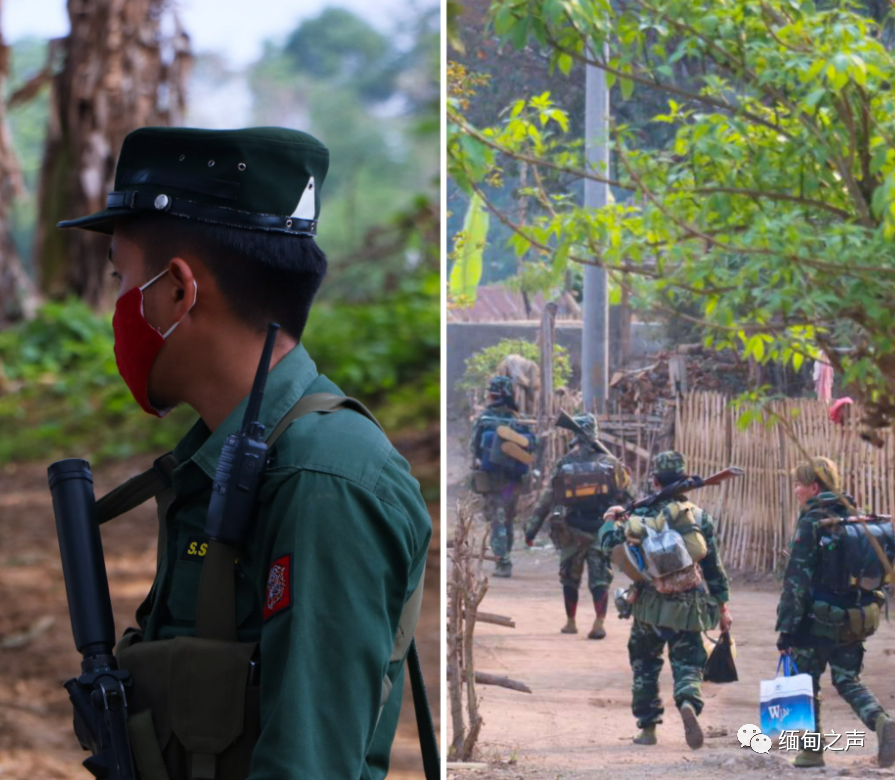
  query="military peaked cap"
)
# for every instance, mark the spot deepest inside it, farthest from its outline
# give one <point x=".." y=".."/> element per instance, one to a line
<point x="260" y="178"/>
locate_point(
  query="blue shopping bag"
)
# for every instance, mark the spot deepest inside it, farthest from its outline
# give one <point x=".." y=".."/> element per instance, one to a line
<point x="787" y="701"/>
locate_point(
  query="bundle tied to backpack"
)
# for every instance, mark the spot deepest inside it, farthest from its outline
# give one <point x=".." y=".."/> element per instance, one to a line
<point x="506" y="451"/>
<point x="672" y="544"/>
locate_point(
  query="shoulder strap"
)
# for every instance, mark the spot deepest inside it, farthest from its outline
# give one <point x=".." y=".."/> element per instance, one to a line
<point x="673" y="511"/>
<point x="137" y="490"/>
<point x="323" y="403"/>
<point x="405" y="647"/>
<point x="424" y="724"/>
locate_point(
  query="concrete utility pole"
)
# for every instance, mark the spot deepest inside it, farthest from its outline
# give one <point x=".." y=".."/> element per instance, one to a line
<point x="595" y="334"/>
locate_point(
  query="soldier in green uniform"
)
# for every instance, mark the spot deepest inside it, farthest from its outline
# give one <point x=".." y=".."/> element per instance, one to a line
<point x="502" y="493"/>
<point x="808" y="608"/>
<point x="574" y="527"/>
<point x="212" y="239"/>
<point x="673" y="618"/>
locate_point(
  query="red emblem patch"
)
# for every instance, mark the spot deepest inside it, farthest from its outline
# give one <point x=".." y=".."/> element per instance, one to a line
<point x="279" y="587"/>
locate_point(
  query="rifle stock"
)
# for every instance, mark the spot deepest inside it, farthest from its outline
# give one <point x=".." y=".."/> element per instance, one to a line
<point x="685" y="486"/>
<point x="722" y="476"/>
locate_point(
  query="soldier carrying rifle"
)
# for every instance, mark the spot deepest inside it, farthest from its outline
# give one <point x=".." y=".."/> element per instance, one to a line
<point x="681" y="591"/>
<point x="584" y="484"/>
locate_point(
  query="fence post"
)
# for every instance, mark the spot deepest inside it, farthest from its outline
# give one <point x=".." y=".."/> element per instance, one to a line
<point x="784" y="492"/>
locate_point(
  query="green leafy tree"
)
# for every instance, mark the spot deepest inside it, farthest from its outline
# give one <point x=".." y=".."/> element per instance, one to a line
<point x="770" y="212"/>
<point x="339" y="45"/>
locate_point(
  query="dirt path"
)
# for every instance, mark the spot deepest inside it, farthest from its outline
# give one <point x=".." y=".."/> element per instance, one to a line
<point x="36" y="740"/>
<point x="577" y="723"/>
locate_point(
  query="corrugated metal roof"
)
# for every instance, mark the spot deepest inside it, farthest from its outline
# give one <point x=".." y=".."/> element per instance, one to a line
<point x="497" y="303"/>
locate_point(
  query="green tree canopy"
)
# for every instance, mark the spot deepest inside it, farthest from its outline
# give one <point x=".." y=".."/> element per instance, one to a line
<point x="338" y="44"/>
<point x="770" y="212"/>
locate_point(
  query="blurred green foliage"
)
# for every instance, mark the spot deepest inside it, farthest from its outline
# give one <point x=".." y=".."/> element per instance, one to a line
<point x="61" y="395"/>
<point x="387" y="350"/>
<point x="483" y="364"/>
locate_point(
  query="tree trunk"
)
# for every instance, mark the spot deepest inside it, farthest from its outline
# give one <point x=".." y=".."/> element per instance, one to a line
<point x="16" y="289"/>
<point x="125" y="66"/>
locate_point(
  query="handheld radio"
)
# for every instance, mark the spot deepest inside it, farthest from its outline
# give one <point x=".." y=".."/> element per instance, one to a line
<point x="241" y="464"/>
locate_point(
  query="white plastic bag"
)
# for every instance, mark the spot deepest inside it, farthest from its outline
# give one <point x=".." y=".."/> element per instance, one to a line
<point x="665" y="552"/>
<point x="787" y="701"/>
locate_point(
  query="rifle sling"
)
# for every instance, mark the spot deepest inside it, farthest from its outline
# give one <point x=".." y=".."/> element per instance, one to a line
<point x="137" y="490"/>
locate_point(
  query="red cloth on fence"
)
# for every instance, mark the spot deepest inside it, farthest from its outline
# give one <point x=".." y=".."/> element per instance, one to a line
<point x="838" y="408"/>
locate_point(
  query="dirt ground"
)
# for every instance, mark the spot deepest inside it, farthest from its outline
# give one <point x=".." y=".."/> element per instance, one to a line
<point x="37" y="652"/>
<point x="577" y="723"/>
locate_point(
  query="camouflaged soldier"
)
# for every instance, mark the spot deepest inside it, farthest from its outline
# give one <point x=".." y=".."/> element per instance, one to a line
<point x="695" y="600"/>
<point x="814" y="616"/>
<point x="501" y="494"/>
<point x="280" y="660"/>
<point x="576" y="521"/>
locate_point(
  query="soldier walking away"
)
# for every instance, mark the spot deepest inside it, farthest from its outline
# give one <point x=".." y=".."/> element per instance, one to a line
<point x="496" y="478"/>
<point x="576" y="516"/>
<point x="829" y="604"/>
<point x="278" y="657"/>
<point x="685" y="592"/>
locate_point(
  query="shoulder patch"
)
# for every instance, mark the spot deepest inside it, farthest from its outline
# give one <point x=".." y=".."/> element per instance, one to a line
<point x="279" y="586"/>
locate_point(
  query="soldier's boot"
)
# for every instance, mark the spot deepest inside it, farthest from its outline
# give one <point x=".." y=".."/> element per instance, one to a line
<point x="647" y="736"/>
<point x="692" y="729"/>
<point x="885" y="736"/>
<point x="503" y="569"/>
<point x="810" y="758"/>
<point x="597" y="632"/>
<point x="570" y="599"/>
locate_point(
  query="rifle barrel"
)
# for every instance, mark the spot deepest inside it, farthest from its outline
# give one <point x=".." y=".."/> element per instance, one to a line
<point x="81" y="550"/>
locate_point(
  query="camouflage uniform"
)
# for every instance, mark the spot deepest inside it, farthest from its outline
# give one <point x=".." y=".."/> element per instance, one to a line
<point x="574" y="530"/>
<point x="677" y="620"/>
<point x="812" y="651"/>
<point x="500" y="501"/>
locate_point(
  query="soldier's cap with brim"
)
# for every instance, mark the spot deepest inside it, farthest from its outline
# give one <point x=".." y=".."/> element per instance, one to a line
<point x="259" y="178"/>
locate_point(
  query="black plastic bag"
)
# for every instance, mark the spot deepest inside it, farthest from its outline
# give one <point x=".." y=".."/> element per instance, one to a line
<point x="720" y="668"/>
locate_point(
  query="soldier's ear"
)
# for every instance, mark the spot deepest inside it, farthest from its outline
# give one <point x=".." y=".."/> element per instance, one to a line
<point x="184" y="282"/>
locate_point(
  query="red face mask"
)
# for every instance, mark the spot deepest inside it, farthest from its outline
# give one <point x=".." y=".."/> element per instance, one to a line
<point x="137" y="343"/>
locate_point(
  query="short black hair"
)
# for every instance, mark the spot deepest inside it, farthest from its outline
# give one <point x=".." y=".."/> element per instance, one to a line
<point x="666" y="478"/>
<point x="264" y="276"/>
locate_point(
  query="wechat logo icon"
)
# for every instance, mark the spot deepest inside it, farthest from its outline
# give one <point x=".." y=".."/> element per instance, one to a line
<point x="750" y="736"/>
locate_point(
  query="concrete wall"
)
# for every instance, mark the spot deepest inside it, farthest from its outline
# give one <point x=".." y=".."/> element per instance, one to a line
<point x="466" y="338"/>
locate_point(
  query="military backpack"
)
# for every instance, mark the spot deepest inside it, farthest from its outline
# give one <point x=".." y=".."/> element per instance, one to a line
<point x="586" y="485"/>
<point x="847" y="591"/>
<point x="672" y="544"/>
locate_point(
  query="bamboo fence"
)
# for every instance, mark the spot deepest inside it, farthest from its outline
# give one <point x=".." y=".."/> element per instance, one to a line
<point x="756" y="514"/>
